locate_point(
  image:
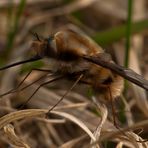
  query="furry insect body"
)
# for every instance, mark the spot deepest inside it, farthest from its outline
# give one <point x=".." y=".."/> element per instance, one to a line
<point x="72" y="53"/>
<point x="66" y="49"/>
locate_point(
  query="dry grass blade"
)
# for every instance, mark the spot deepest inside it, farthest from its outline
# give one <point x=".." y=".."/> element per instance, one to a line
<point x="128" y="113"/>
<point x="104" y="114"/>
<point x="73" y="106"/>
<point x="14" y="116"/>
<point x="69" y="8"/>
<point x="138" y="93"/>
<point x="77" y="122"/>
<point x="4" y="3"/>
<point x="42" y="17"/>
<point x="13" y="139"/>
<point x="72" y="142"/>
<point x="74" y="122"/>
<point x="131" y="141"/>
<point x="132" y="137"/>
<point x="139" y="125"/>
<point x="51" y="121"/>
<point x="119" y="145"/>
<point x="17" y="115"/>
<point x="103" y="110"/>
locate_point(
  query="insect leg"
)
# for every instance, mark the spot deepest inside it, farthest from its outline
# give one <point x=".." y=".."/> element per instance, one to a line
<point x="42" y="77"/>
<point x="15" y="89"/>
<point x="114" y="114"/>
<point x="113" y="108"/>
<point x="66" y="93"/>
<point x="114" y="119"/>
<point x="43" y="84"/>
<point x="43" y="70"/>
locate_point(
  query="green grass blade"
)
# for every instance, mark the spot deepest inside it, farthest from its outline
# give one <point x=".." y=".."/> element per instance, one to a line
<point x="116" y="33"/>
<point x="13" y="25"/>
<point x="128" y="32"/>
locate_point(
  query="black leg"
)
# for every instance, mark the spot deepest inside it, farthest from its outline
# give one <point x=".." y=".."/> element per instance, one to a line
<point x="66" y="93"/>
<point x="114" y="113"/>
<point x="43" y="84"/>
<point x="15" y="89"/>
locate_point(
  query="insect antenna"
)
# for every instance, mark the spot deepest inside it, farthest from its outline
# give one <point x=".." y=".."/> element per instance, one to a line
<point x="41" y="85"/>
<point x="35" y="35"/>
<point x="35" y="58"/>
<point x="66" y="93"/>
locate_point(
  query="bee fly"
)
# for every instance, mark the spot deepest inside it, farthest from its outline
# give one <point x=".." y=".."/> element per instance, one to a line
<point x="75" y="55"/>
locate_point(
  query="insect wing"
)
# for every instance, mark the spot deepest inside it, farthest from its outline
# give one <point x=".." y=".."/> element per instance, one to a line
<point x="126" y="73"/>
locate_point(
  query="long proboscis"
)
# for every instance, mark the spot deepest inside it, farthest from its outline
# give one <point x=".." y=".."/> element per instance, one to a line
<point x="21" y="62"/>
<point x="126" y="73"/>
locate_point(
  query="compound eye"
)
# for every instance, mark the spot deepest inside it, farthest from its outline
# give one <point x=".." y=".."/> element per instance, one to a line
<point x="51" y="50"/>
<point x="50" y="39"/>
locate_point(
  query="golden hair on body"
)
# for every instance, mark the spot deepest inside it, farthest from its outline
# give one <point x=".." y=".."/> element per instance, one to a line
<point x="72" y="53"/>
<point x="67" y="48"/>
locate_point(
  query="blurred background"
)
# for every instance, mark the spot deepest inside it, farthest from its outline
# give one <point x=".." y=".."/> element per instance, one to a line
<point x="119" y="27"/>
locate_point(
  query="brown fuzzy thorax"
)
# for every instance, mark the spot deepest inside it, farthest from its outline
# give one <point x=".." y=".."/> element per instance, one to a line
<point x="71" y="47"/>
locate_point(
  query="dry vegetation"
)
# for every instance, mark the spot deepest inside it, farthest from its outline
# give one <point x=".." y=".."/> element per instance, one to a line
<point x="78" y="121"/>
